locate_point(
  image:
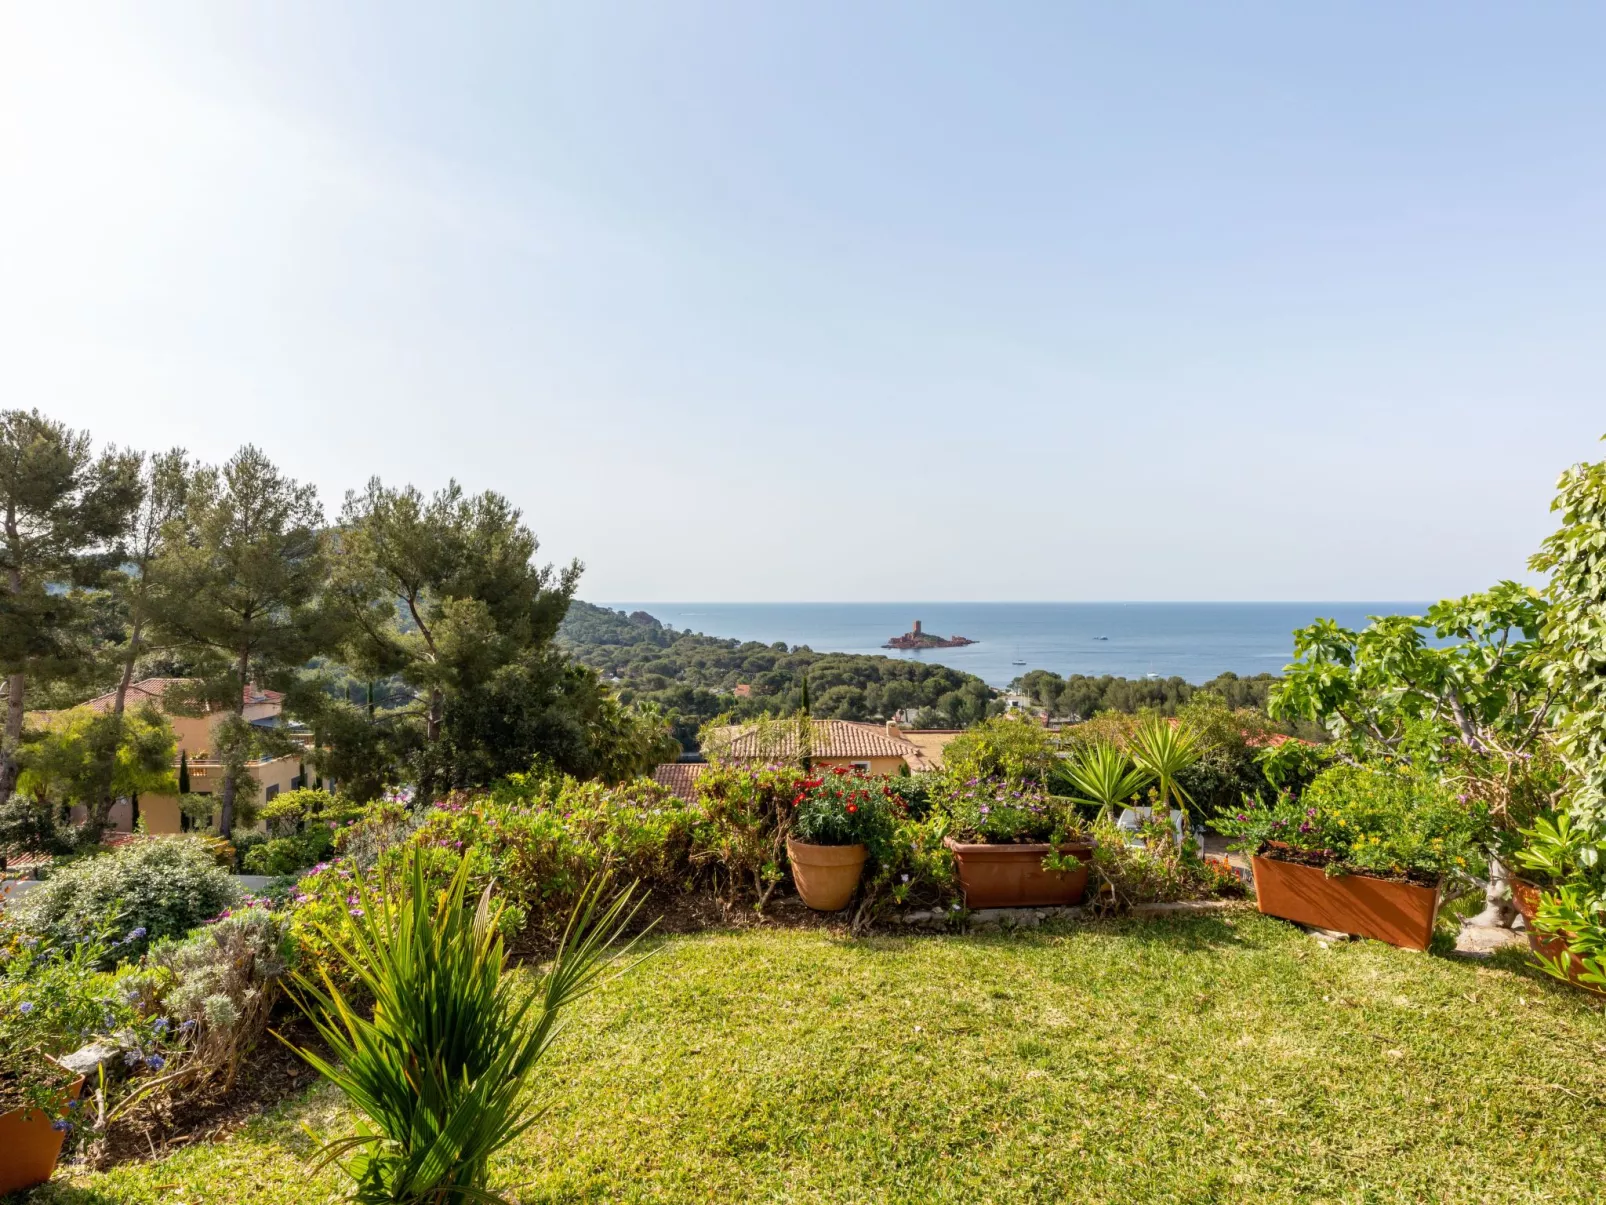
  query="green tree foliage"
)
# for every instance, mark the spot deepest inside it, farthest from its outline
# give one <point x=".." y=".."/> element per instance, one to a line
<point x="84" y="757"/>
<point x="1573" y="636"/>
<point x="693" y="678"/>
<point x="449" y="613"/>
<point x="1080" y="697"/>
<point x="1474" y="703"/>
<point x="63" y="512"/>
<point x="243" y="570"/>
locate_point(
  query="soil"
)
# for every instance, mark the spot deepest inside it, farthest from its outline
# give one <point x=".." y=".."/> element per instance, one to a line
<point x="1321" y="860"/>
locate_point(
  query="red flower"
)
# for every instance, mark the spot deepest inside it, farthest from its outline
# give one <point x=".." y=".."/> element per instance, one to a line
<point x="841" y="770"/>
<point x="853" y="807"/>
<point x="797" y="801"/>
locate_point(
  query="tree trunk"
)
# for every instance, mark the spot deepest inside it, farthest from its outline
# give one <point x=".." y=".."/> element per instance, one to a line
<point x="1498" y="910"/>
<point x="99" y="808"/>
<point x="12" y="744"/>
<point x="226" y="810"/>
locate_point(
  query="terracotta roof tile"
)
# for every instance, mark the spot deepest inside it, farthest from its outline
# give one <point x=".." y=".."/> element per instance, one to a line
<point x="832" y="739"/>
<point x="154" y="690"/>
<point x="680" y="777"/>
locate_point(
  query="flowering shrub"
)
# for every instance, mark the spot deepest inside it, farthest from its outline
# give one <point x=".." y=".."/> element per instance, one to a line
<point x="1387" y="823"/>
<point x="53" y="997"/>
<point x="999" y="812"/>
<point x="152" y="888"/>
<point x="842" y="806"/>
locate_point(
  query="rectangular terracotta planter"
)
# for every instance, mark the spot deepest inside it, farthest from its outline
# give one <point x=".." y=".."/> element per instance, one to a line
<point x="1012" y="876"/>
<point x="1401" y="914"/>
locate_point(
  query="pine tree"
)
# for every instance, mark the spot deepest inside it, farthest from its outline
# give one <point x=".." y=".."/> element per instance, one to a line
<point x="64" y="513"/>
<point x="243" y="569"/>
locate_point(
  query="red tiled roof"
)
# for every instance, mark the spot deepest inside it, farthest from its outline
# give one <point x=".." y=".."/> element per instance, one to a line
<point x="831" y="739"/>
<point x="154" y="690"/>
<point x="680" y="777"/>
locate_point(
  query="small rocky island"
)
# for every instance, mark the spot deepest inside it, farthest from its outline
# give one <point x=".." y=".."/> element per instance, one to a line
<point x="917" y="639"/>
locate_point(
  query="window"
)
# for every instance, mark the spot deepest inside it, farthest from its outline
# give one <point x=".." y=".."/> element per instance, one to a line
<point x="270" y="793"/>
<point x="861" y="765"/>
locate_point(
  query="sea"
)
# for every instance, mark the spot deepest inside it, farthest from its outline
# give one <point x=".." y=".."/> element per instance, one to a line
<point x="1195" y="641"/>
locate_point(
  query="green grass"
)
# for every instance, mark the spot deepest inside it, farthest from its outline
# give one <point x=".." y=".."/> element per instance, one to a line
<point x="1224" y="1058"/>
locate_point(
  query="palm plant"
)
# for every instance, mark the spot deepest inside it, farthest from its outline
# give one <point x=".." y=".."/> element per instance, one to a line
<point x="1104" y="776"/>
<point x="439" y="1070"/>
<point x="1165" y="749"/>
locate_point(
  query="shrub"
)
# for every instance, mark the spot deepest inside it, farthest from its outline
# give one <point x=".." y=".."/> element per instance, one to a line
<point x="1390" y="823"/>
<point x="287" y="855"/>
<point x="746" y="815"/>
<point x="1007" y="747"/>
<point x="1152" y="870"/>
<point x="212" y="992"/>
<point x="29" y="827"/>
<point x="52" y="998"/>
<point x="151" y="888"/>
<point x="913" y="868"/>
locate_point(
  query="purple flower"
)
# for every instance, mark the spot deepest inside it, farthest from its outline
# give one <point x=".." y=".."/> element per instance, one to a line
<point x="355" y="911"/>
<point x="1311" y="812"/>
<point x="160" y="1024"/>
<point x="61" y="1125"/>
<point x="25" y="1007"/>
<point x="1305" y="828"/>
<point x="1241" y="816"/>
<point x="156" y="1062"/>
<point x="135" y="934"/>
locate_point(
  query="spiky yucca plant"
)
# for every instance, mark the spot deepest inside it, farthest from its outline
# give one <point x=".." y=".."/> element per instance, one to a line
<point x="1165" y="749"/>
<point x="1104" y="776"/>
<point x="439" y="1069"/>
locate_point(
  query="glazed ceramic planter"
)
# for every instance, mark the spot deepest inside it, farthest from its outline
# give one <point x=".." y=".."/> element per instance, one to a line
<point x="30" y="1144"/>
<point x="1012" y="876"/>
<point x="1402" y="914"/>
<point x="826" y="875"/>
<point x="1550" y="946"/>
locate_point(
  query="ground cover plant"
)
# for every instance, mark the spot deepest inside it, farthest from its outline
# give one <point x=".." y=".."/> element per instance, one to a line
<point x="1213" y="1059"/>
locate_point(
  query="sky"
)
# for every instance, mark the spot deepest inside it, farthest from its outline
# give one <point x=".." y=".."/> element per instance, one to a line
<point x="841" y="301"/>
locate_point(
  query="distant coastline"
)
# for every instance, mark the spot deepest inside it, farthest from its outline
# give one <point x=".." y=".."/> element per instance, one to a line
<point x="1193" y="641"/>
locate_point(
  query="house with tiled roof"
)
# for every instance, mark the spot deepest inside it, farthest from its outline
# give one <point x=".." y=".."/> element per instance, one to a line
<point x="196" y="744"/>
<point x="875" y="748"/>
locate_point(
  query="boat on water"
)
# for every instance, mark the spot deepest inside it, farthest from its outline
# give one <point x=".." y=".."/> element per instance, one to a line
<point x="1101" y="638"/>
<point x="1017" y="663"/>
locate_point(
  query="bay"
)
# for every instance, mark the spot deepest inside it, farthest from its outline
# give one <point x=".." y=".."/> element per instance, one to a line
<point x="1195" y="641"/>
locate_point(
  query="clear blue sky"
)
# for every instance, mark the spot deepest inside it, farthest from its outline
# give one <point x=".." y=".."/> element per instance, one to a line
<point x="843" y="301"/>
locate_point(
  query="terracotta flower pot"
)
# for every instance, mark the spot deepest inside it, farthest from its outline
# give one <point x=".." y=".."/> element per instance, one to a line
<point x="1551" y="946"/>
<point x="826" y="875"/>
<point x="1012" y="876"/>
<point x="30" y="1144"/>
<point x="1401" y="914"/>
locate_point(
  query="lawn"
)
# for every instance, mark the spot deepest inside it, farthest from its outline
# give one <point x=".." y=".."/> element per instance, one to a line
<point x="1220" y="1058"/>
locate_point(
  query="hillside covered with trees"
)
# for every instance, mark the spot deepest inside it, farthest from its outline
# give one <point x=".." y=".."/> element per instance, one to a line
<point x="694" y="678"/>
